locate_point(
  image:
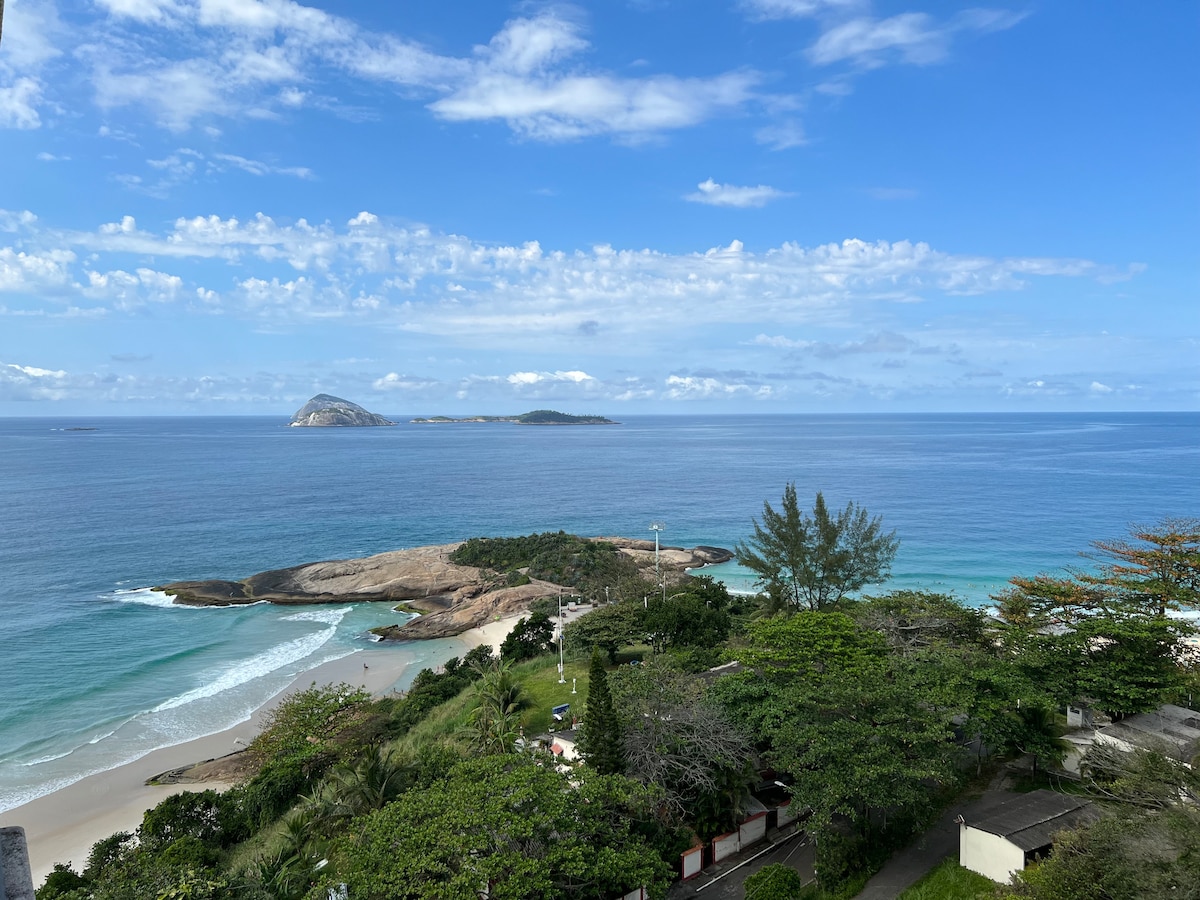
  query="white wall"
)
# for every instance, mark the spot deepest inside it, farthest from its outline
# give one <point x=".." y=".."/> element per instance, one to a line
<point x="989" y="854"/>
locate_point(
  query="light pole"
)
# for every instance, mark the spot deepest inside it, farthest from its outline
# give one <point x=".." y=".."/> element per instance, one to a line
<point x="656" y="527"/>
<point x="562" y="679"/>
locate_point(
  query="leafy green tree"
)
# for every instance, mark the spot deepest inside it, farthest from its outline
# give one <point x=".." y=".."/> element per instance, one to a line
<point x="530" y="637"/>
<point x="1087" y="644"/>
<point x="513" y="826"/>
<point x="774" y="882"/>
<point x="856" y="747"/>
<point x="608" y="628"/>
<point x="916" y="621"/>
<point x="602" y="740"/>
<point x="684" y="620"/>
<point x="812" y="562"/>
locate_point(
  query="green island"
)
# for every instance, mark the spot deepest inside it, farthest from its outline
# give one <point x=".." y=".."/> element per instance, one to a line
<point x="865" y="717"/>
<point x="535" y="417"/>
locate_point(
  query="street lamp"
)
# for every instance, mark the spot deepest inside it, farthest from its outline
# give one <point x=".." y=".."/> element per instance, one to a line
<point x="561" y="677"/>
<point x="656" y="527"/>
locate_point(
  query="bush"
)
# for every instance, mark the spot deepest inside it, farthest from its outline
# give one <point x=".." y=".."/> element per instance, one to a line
<point x="774" y="882"/>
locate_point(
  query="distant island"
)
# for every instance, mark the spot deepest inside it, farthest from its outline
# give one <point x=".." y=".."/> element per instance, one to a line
<point x="536" y="417"/>
<point x="325" y="411"/>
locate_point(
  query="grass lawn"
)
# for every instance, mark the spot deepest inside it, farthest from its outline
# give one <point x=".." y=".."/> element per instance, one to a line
<point x="950" y="881"/>
<point x="539" y="678"/>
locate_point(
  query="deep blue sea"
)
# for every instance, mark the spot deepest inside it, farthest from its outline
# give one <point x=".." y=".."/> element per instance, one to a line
<point x="98" y="671"/>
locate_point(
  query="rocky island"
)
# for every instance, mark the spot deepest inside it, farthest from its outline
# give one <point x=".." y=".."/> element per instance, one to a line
<point x="325" y="410"/>
<point x="536" y="417"/>
<point x="452" y="597"/>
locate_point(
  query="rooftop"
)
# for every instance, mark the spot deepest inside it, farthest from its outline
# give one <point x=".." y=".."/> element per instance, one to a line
<point x="1031" y="821"/>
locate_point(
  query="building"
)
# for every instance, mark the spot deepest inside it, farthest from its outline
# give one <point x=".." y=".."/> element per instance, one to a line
<point x="1011" y="835"/>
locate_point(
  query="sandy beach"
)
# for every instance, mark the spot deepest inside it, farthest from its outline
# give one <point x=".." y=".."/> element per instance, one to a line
<point x="62" y="826"/>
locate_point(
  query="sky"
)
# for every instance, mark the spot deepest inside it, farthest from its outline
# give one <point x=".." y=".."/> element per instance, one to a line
<point x="623" y="207"/>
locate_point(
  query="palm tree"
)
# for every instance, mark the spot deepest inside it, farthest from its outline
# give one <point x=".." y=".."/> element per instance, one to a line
<point x="496" y="720"/>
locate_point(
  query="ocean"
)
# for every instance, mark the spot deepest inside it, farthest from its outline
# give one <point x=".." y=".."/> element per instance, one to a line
<point x="99" y="670"/>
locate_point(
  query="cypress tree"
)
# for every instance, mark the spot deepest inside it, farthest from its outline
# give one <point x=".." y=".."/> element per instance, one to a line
<point x="603" y="740"/>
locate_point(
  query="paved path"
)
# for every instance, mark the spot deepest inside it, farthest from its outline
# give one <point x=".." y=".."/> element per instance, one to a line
<point x="910" y="865"/>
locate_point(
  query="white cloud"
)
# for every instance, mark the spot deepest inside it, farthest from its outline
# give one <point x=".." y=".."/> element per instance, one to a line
<point x="715" y="194"/>
<point x="782" y="135"/>
<point x="526" y="378"/>
<point x="798" y="9"/>
<point x="691" y="387"/>
<point x="528" y="75"/>
<point x="417" y="281"/>
<point x="19" y="102"/>
<point x="35" y="372"/>
<point x="1099" y="388"/>
<point x="912" y="37"/>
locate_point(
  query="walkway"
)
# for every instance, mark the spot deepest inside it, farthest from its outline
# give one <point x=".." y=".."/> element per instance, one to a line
<point x="910" y="865"/>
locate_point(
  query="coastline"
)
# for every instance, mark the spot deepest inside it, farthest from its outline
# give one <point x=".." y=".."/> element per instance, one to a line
<point x="63" y="825"/>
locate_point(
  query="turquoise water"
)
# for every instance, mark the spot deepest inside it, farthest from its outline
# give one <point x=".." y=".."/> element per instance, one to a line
<point x="99" y="671"/>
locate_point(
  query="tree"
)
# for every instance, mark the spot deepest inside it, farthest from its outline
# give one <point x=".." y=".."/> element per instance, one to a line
<point x="609" y="628"/>
<point x="814" y="561"/>
<point x="529" y="638"/>
<point x="1159" y="571"/>
<point x="496" y="719"/>
<point x="601" y="742"/>
<point x="675" y="738"/>
<point x="515" y="827"/>
<point x="1085" y="643"/>
<point x="774" y="882"/>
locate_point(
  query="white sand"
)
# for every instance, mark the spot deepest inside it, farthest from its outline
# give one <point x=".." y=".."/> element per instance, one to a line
<point x="63" y="826"/>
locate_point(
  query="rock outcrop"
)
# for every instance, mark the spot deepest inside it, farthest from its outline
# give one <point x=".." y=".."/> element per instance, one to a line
<point x="452" y="598"/>
<point x="325" y="410"/>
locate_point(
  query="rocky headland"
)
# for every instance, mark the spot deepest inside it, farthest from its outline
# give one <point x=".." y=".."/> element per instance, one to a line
<point x="325" y="411"/>
<point x="452" y="598"/>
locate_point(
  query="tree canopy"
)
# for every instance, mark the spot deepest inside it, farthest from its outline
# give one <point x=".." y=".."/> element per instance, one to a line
<point x="517" y="827"/>
<point x="813" y="561"/>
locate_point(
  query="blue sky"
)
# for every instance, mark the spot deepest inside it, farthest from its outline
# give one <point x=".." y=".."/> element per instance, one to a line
<point x="227" y="206"/>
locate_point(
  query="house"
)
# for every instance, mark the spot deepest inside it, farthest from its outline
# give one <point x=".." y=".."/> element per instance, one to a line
<point x="1007" y="837"/>
<point x="1170" y="729"/>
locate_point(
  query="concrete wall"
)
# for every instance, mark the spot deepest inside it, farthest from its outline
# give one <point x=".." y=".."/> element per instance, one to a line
<point x="989" y="854"/>
<point x="752" y="830"/>
<point x="16" y="881"/>
<point x="725" y="845"/>
<point x="786" y="814"/>
<point x="693" y="862"/>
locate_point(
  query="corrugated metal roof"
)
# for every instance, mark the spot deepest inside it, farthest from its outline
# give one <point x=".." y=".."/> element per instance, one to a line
<point x="1031" y="821"/>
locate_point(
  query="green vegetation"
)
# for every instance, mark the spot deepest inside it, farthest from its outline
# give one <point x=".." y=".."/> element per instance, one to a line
<point x="874" y="710"/>
<point x="812" y="562"/>
<point x="551" y="417"/>
<point x="585" y="566"/>
<point x="950" y="881"/>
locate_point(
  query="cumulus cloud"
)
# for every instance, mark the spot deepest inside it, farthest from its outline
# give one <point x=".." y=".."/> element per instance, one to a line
<point x="420" y="281"/>
<point x="527" y="378"/>
<point x="714" y="194"/>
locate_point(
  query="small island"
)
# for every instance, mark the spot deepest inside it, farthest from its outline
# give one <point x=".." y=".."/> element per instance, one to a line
<point x="325" y="411"/>
<point x="536" y="417"/>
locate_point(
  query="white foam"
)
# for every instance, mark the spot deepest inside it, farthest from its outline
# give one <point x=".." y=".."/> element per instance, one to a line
<point x="98" y="738"/>
<point x="327" y="616"/>
<point x="264" y="664"/>
<point x="146" y="597"/>
<point x="46" y="759"/>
